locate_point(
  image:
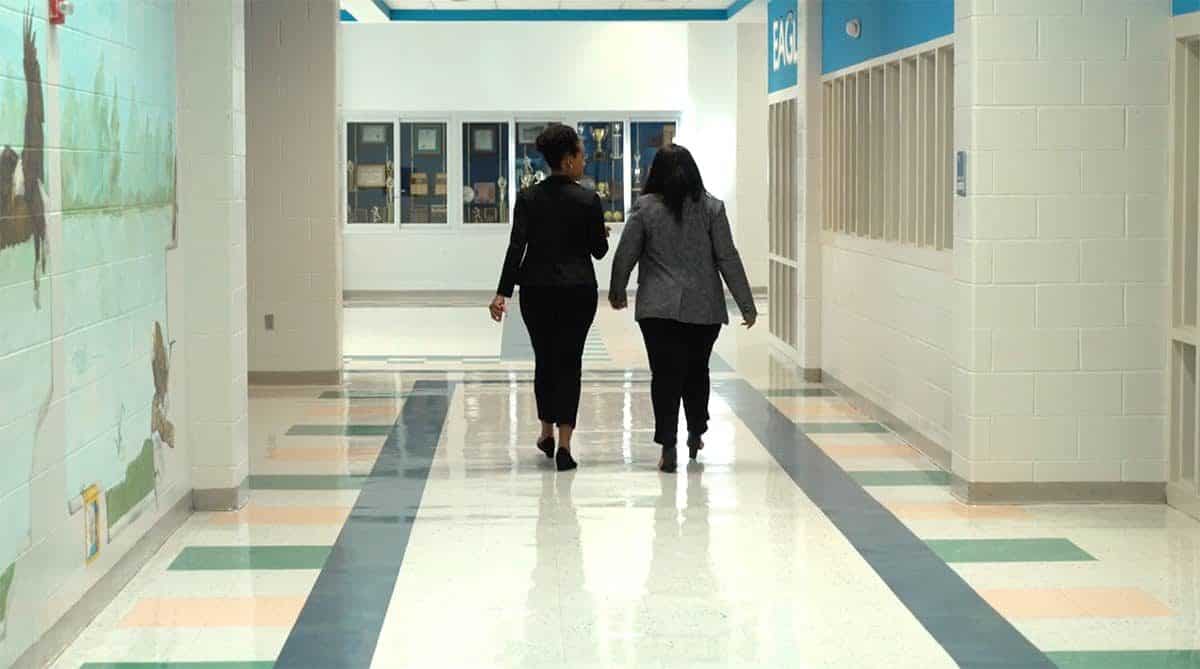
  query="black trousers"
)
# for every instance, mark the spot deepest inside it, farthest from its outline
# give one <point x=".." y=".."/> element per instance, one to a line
<point x="558" y="320"/>
<point x="679" y="354"/>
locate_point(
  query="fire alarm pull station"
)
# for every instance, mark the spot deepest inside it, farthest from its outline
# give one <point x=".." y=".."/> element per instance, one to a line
<point x="960" y="174"/>
<point x="60" y="10"/>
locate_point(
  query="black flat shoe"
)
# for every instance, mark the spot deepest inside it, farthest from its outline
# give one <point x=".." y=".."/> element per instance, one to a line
<point x="667" y="462"/>
<point x="564" y="461"/>
<point x="546" y="446"/>
<point x="695" y="445"/>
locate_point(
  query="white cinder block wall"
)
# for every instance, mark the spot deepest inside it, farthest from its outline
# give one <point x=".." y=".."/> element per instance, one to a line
<point x="886" y="319"/>
<point x="212" y="220"/>
<point x="1060" y="250"/>
<point x="808" y="205"/>
<point x="751" y="191"/>
<point x="294" y="261"/>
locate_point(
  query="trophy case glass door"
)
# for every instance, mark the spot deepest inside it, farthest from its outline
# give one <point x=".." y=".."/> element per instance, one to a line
<point x="531" y="164"/>
<point x="424" y="185"/>
<point x="485" y="172"/>
<point x="645" y="139"/>
<point x="603" y="144"/>
<point x="370" y="178"/>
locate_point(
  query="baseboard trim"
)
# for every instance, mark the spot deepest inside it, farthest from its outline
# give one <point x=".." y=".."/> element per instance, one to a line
<point x="928" y="447"/>
<point x="222" y="499"/>
<point x="308" y="378"/>
<point x="68" y="628"/>
<point x="384" y="295"/>
<point x="1031" y="492"/>
<point x="1184" y="498"/>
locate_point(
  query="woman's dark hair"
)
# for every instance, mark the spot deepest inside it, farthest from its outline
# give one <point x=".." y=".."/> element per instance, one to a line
<point x="557" y="142"/>
<point x="675" y="176"/>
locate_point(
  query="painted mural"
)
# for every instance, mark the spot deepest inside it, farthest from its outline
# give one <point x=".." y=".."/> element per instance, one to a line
<point x="87" y="438"/>
<point x="22" y="203"/>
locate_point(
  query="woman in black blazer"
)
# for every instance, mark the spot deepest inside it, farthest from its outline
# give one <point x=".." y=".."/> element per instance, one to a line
<point x="558" y="227"/>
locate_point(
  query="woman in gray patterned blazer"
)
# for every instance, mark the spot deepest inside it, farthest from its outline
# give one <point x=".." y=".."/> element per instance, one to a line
<point x="679" y="236"/>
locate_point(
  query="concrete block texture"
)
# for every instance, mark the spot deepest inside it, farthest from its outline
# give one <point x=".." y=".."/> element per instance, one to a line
<point x="1061" y="269"/>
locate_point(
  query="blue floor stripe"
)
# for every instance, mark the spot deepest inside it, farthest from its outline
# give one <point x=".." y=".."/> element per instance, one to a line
<point x="340" y="622"/>
<point x="970" y="630"/>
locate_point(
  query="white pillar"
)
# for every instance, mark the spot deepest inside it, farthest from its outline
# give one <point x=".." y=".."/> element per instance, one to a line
<point x="295" y="231"/>
<point x="1060" y="250"/>
<point x="212" y="236"/>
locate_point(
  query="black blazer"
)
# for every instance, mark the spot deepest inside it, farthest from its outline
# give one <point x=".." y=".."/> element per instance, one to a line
<point x="557" y="224"/>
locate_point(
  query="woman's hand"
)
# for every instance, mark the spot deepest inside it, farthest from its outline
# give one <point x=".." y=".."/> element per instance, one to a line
<point x="749" y="321"/>
<point x="498" y="308"/>
<point x="618" y="302"/>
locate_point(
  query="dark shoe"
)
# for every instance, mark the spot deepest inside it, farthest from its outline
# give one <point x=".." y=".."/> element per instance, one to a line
<point x="667" y="462"/>
<point x="564" y="461"/>
<point x="546" y="446"/>
<point x="695" y="444"/>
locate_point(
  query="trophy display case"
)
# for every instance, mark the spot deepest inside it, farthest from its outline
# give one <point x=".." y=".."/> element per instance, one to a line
<point x="531" y="164"/>
<point x="424" y="189"/>
<point x="604" y="146"/>
<point x="370" y="173"/>
<point x="645" y="139"/>
<point x="485" y="173"/>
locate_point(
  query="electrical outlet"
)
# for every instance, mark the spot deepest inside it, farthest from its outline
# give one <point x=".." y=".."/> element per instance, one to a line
<point x="270" y="318"/>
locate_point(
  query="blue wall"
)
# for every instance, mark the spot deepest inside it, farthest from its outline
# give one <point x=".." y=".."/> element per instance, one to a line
<point x="887" y="26"/>
<point x="1184" y="6"/>
<point x="783" y="44"/>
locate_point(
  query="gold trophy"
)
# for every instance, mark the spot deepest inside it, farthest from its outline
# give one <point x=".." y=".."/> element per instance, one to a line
<point x="598" y="134"/>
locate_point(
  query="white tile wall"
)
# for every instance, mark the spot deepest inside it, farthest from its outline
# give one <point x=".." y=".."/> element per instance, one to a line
<point x="1061" y="258"/>
<point x="1080" y="217"/>
<point x="292" y="208"/>
<point x="1081" y="128"/>
<point x="886" y="330"/>
<point x="212" y="217"/>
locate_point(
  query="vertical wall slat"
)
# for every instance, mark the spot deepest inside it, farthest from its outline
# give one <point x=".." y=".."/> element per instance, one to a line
<point x="888" y="168"/>
<point x="892" y="204"/>
<point x="793" y="176"/>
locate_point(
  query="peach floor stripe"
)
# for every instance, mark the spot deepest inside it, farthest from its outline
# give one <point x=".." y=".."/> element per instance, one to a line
<point x="953" y="511"/>
<point x="802" y="407"/>
<point x="284" y="515"/>
<point x="388" y="412"/>
<point x="1036" y="603"/>
<point x="324" y="454"/>
<point x="215" y="612"/>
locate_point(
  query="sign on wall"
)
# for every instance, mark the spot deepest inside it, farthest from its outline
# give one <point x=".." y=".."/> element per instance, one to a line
<point x="783" y="44"/>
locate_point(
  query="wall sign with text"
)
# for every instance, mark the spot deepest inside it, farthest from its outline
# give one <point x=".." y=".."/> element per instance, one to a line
<point x="783" y="47"/>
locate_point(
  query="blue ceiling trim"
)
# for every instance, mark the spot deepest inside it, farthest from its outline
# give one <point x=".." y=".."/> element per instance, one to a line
<point x="736" y="7"/>
<point x="452" y="15"/>
<point x="348" y="17"/>
<point x="1179" y="7"/>
<point x="559" y="14"/>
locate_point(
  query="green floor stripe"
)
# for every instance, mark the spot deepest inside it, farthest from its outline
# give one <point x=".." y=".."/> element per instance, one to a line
<point x="306" y="482"/>
<point x="801" y="392"/>
<point x="841" y="428"/>
<point x="178" y="665"/>
<point x="339" y="431"/>
<point x="900" y="478"/>
<point x="219" y="558"/>
<point x="1127" y="659"/>
<point x="1009" y="550"/>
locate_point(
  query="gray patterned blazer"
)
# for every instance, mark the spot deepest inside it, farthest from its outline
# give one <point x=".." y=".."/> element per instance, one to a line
<point x="681" y="262"/>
